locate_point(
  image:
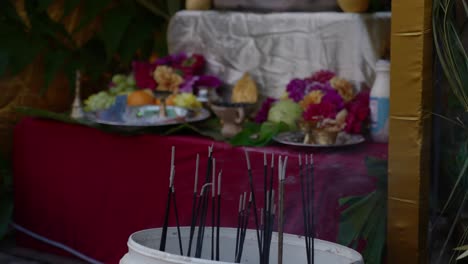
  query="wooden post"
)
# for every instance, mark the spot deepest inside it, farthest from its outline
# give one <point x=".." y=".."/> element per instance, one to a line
<point x="409" y="149"/>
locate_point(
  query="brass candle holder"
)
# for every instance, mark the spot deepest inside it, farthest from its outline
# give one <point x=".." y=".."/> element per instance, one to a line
<point x="162" y="96"/>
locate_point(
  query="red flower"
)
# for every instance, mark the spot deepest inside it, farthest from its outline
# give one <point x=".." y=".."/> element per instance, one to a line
<point x="322" y="76"/>
<point x="318" y="112"/>
<point x="358" y="113"/>
<point x="194" y="65"/>
<point x="143" y="73"/>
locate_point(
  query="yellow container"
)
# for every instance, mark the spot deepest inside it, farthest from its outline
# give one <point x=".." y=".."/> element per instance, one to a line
<point x="354" y="6"/>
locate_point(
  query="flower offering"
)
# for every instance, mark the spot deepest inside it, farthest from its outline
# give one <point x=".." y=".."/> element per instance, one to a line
<point x="328" y="104"/>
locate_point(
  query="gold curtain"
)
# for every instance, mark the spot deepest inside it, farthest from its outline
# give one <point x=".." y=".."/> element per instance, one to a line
<point x="23" y="89"/>
<point x="409" y="149"/>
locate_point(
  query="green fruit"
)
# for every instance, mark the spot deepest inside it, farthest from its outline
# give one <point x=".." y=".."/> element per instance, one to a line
<point x="285" y="111"/>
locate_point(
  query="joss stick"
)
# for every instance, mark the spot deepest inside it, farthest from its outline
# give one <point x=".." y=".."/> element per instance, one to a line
<point x="194" y="202"/>
<point x="265" y="197"/>
<point x="281" y="177"/>
<point x="177" y="222"/>
<point x="239" y="218"/>
<point x="218" y="224"/>
<point x="213" y="195"/>
<point x="201" y="230"/>
<point x="312" y="202"/>
<point x="304" y="210"/>
<point x="162" y="244"/>
<point x="262" y="228"/>
<point x="252" y="189"/>
<point x="308" y="212"/>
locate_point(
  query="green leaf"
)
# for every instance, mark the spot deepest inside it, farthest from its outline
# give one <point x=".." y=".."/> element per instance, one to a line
<point x="53" y="64"/>
<point x="115" y="23"/>
<point x="462" y="248"/>
<point x="365" y="216"/>
<point x="258" y="134"/>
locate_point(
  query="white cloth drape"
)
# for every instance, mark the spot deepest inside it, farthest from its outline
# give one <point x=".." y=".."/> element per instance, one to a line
<point x="277" y="47"/>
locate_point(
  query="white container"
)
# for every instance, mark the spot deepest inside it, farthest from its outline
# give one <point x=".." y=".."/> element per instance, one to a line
<point x="143" y="247"/>
<point x="380" y="102"/>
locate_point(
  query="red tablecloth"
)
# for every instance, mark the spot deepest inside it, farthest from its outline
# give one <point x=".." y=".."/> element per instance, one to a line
<point x="90" y="190"/>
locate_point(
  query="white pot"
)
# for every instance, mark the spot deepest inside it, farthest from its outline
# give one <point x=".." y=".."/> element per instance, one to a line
<point x="143" y="247"/>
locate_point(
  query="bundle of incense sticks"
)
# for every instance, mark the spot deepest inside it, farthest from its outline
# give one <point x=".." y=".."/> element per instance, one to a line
<point x="268" y="212"/>
<point x="264" y="226"/>
<point x="307" y="192"/>
<point x="200" y="205"/>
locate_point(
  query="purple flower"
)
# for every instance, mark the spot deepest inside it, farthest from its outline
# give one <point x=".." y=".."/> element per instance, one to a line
<point x="333" y="97"/>
<point x="296" y="89"/>
<point x="188" y="84"/>
<point x="324" y="87"/>
<point x="172" y="60"/>
<point x="208" y="81"/>
<point x="262" y="114"/>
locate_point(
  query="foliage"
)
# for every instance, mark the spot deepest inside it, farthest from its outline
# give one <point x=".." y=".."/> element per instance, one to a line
<point x="128" y="30"/>
<point x="448" y="39"/>
<point x="254" y="134"/>
<point x="6" y="196"/>
<point x="364" y="217"/>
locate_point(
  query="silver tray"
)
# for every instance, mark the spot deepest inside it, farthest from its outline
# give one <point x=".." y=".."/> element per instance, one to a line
<point x="148" y="116"/>
<point x="296" y="138"/>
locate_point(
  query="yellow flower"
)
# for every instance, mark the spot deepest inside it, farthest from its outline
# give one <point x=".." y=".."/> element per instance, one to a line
<point x="314" y="97"/>
<point x="344" y="88"/>
<point x="167" y="79"/>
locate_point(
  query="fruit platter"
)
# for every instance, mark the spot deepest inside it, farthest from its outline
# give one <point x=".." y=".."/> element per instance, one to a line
<point x="158" y="93"/>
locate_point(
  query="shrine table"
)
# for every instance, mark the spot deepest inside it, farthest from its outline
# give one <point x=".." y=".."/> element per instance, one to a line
<point x="90" y="190"/>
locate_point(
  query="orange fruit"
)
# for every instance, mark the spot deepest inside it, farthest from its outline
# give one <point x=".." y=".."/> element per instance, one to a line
<point x="140" y="97"/>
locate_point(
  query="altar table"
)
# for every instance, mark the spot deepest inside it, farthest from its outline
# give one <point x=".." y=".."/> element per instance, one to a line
<point x="90" y="190"/>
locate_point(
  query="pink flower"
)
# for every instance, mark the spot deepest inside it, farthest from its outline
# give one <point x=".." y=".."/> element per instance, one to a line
<point x="143" y="73"/>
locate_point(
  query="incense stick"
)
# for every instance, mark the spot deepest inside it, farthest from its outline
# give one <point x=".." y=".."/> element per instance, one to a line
<point x="281" y="205"/>
<point x="239" y="218"/>
<point x="218" y="224"/>
<point x="194" y="202"/>
<point x="213" y="195"/>
<point x="304" y="210"/>
<point x="312" y="202"/>
<point x="201" y="234"/>
<point x="177" y="222"/>
<point x="162" y="244"/>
